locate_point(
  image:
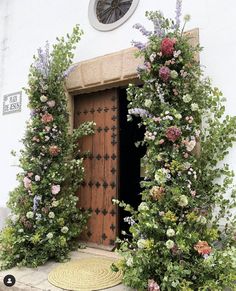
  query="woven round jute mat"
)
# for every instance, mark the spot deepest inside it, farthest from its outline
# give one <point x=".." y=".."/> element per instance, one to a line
<point x="85" y="275"/>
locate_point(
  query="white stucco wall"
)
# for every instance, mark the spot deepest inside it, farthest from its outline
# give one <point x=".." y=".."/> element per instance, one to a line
<point x="25" y="25"/>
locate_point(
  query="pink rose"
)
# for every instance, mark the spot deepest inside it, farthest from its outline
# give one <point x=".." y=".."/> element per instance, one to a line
<point x="35" y="139"/>
<point x="55" y="189"/>
<point x="186" y="155"/>
<point x="153" y="286"/>
<point x="47" y="128"/>
<point x="164" y="73"/>
<point x="167" y="47"/>
<point x="193" y="193"/>
<point x="157" y="119"/>
<point x="51" y="103"/>
<point x="46" y="118"/>
<point x="173" y="133"/>
<point x="27" y="182"/>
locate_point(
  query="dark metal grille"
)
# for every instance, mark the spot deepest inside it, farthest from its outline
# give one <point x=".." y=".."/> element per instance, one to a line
<point x="109" y="11"/>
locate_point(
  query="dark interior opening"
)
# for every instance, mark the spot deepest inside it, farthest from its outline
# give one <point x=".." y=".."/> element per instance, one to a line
<point x="130" y="157"/>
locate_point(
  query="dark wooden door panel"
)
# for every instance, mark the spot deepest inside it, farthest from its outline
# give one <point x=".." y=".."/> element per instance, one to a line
<point x="101" y="167"/>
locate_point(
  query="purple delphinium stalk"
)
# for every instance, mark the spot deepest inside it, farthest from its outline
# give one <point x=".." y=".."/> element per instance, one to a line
<point x="42" y="63"/>
<point x="141" y="69"/>
<point x="178" y="11"/>
<point x="37" y="198"/>
<point x="157" y="28"/>
<point x="158" y="23"/>
<point x="33" y="113"/>
<point x="142" y="29"/>
<point x="139" y="112"/>
<point x="68" y="71"/>
<point x="138" y="44"/>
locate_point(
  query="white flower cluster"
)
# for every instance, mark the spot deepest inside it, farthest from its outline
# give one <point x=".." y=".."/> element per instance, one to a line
<point x="143" y="206"/>
<point x="150" y="135"/>
<point x="162" y="175"/>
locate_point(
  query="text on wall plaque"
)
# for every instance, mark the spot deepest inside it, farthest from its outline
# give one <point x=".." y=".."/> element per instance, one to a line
<point x="12" y="102"/>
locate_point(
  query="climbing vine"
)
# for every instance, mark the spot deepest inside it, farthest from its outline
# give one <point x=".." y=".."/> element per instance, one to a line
<point x="182" y="236"/>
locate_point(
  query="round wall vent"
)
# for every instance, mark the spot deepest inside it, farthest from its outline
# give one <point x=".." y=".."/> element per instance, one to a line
<point x="107" y="15"/>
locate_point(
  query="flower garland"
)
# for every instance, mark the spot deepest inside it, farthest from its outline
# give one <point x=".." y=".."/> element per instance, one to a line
<point x="177" y="239"/>
<point x="45" y="222"/>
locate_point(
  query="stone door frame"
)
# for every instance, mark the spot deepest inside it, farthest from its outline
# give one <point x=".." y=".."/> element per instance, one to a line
<point x="108" y="71"/>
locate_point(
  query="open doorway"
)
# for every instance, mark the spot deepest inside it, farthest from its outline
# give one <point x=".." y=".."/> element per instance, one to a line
<point x="130" y="158"/>
<point x="112" y="167"/>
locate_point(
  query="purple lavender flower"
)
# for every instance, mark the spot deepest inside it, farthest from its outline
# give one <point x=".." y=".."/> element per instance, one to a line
<point x="42" y="63"/>
<point x="139" y="112"/>
<point x="37" y="198"/>
<point x="68" y="71"/>
<point x="142" y="29"/>
<point x="33" y="113"/>
<point x="138" y="44"/>
<point x="178" y="13"/>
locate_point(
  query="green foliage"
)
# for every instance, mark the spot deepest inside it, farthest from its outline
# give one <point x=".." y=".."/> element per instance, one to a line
<point x="45" y="222"/>
<point x="183" y="232"/>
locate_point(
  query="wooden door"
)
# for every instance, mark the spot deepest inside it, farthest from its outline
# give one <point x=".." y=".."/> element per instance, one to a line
<point x="101" y="166"/>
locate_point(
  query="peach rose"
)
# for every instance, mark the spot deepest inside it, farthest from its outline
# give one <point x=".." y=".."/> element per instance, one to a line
<point x="54" y="150"/>
<point x="46" y="118"/>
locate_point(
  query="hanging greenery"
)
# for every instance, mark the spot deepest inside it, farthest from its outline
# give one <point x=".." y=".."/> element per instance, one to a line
<point x="45" y="222"/>
<point x="183" y="232"/>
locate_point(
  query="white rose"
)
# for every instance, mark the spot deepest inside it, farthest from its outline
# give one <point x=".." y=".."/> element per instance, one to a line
<point x="64" y="229"/>
<point x="51" y="214"/>
<point x="30" y="214"/>
<point x="37" y="178"/>
<point x="161" y="176"/>
<point x="148" y="103"/>
<point x="55" y="203"/>
<point x="170" y="244"/>
<point x="173" y="74"/>
<point x="183" y="201"/>
<point x="50" y="235"/>
<point x="142" y="243"/>
<point x="43" y="98"/>
<point x="194" y="107"/>
<point x="178" y="116"/>
<point x="170" y="232"/>
<point x="143" y="206"/>
<point x="187" y="98"/>
<point x="190" y="145"/>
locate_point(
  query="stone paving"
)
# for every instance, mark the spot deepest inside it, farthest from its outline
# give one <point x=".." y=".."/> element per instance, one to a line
<point x="28" y="279"/>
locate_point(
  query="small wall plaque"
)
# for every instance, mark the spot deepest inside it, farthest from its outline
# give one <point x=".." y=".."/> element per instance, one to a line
<point x="12" y="103"/>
